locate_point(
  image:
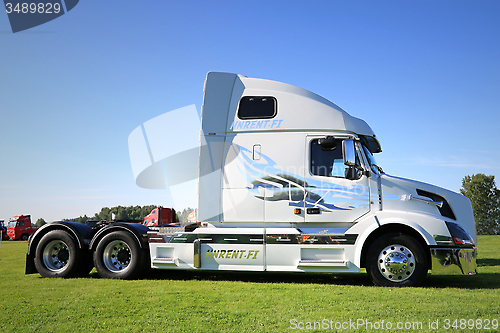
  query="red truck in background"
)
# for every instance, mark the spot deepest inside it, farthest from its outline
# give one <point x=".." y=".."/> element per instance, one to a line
<point x="160" y="216"/>
<point x="20" y="227"/>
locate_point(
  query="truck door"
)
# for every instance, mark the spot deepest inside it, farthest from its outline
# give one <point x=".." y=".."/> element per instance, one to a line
<point x="284" y="192"/>
<point x="330" y="197"/>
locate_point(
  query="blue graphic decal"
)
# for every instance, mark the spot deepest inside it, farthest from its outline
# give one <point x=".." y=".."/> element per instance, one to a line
<point x="272" y="184"/>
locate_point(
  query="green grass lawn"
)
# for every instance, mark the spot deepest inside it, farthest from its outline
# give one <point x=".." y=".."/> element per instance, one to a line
<point x="168" y="301"/>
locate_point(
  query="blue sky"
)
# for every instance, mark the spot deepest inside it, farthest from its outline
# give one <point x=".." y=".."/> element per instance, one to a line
<point x="424" y="75"/>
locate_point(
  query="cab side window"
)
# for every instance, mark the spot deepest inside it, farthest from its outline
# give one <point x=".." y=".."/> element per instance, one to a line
<point x="328" y="160"/>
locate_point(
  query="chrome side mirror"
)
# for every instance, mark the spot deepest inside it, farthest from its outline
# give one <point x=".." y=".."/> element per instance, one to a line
<point x="349" y="152"/>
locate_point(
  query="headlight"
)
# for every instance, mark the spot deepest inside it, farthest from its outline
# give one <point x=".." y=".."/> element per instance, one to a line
<point x="459" y="235"/>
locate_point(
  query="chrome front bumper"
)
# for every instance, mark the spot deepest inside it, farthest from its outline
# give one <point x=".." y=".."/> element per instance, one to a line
<point x="448" y="261"/>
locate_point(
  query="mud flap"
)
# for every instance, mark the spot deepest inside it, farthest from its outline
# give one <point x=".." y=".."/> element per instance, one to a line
<point x="30" y="265"/>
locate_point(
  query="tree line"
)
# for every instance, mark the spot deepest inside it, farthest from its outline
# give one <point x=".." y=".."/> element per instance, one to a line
<point x="485" y="198"/>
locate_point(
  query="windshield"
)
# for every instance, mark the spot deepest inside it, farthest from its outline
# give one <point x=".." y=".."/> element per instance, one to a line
<point x="373" y="163"/>
<point x="12" y="224"/>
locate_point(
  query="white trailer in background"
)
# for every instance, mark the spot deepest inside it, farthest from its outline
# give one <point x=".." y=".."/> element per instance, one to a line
<point x="287" y="182"/>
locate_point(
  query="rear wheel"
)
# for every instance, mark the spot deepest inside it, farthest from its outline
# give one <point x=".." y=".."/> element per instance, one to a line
<point x="57" y="255"/>
<point x="119" y="256"/>
<point x="396" y="260"/>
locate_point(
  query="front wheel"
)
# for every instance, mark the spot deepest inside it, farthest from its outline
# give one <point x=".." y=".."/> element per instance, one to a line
<point x="396" y="260"/>
<point x="119" y="256"/>
<point x="57" y="255"/>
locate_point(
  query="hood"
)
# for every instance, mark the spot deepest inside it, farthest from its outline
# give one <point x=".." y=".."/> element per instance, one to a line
<point x="411" y="196"/>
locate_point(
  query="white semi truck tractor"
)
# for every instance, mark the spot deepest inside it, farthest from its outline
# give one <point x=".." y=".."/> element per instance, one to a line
<point x="287" y="182"/>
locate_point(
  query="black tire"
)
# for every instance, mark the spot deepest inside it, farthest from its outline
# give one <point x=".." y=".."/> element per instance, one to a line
<point x="119" y="256"/>
<point x="396" y="260"/>
<point x="57" y="255"/>
<point x="24" y="237"/>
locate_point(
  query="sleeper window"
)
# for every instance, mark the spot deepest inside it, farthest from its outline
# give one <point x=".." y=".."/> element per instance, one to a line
<point x="257" y="107"/>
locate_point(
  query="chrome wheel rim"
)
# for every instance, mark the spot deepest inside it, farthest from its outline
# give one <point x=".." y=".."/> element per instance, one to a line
<point x="117" y="256"/>
<point x="396" y="263"/>
<point x="56" y="255"/>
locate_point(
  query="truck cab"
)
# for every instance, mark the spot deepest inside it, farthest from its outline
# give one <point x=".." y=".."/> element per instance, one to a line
<point x="160" y="216"/>
<point x="20" y="227"/>
<point x="297" y="174"/>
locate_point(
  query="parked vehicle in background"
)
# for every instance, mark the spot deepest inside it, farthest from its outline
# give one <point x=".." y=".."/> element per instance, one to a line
<point x="20" y="227"/>
<point x="160" y="216"/>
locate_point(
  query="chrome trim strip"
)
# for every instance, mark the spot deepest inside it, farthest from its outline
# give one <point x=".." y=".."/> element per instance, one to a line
<point x="428" y="201"/>
<point x="347" y="239"/>
<point x="332" y="239"/>
<point x="323" y="263"/>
